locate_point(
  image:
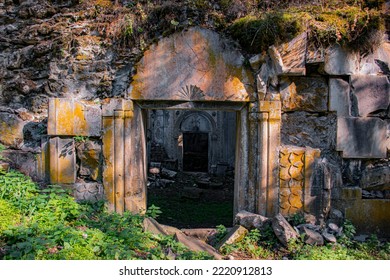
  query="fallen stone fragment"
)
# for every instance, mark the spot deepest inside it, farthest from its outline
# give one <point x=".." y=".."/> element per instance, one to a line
<point x="151" y="225"/>
<point x="333" y="228"/>
<point x="168" y="173"/>
<point x="310" y="219"/>
<point x="170" y="230"/>
<point x="200" y="233"/>
<point x="236" y="234"/>
<point x="329" y="237"/>
<point x="197" y="245"/>
<point x="250" y="220"/>
<point x="312" y="237"/>
<point x="283" y="230"/>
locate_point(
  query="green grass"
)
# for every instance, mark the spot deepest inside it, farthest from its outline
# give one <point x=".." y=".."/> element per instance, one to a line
<point x="49" y="224"/>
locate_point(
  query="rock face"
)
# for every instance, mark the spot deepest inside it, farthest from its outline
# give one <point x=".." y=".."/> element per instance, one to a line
<point x="283" y="230"/>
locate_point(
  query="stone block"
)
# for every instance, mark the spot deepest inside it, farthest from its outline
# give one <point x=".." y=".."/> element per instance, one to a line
<point x="212" y="70"/>
<point x="339" y="99"/>
<point x="25" y="162"/>
<point x="339" y="61"/>
<point x="376" y="178"/>
<point x="88" y="191"/>
<point x="304" y="129"/>
<point x="236" y="234"/>
<point x="68" y="117"/>
<point x="11" y="127"/>
<point x="62" y="161"/>
<point x="200" y="233"/>
<point x="304" y="94"/>
<point x="293" y="55"/>
<point x="370" y="216"/>
<point x="283" y="230"/>
<point x="377" y="62"/>
<point x="372" y="93"/>
<point x="361" y="137"/>
<point x="89" y="154"/>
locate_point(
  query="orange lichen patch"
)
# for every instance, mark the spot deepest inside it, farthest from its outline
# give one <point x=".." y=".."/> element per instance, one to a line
<point x="80" y="124"/>
<point x="103" y="3"/>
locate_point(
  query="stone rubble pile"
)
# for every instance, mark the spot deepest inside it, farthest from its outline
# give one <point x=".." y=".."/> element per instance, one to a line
<point x="311" y="231"/>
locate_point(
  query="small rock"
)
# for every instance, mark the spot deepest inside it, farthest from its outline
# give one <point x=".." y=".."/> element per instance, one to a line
<point x="236" y="234"/>
<point x="168" y="173"/>
<point x="283" y="230"/>
<point x="310" y="219"/>
<point x="333" y="228"/>
<point x="360" y="238"/>
<point x="250" y="220"/>
<point x="336" y="214"/>
<point x="329" y="237"/>
<point x="312" y="237"/>
<point x="309" y="226"/>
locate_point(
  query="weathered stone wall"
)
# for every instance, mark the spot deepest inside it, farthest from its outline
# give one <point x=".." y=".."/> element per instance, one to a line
<point x="313" y="125"/>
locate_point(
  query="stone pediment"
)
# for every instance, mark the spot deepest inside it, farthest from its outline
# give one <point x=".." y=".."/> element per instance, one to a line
<point x="194" y="65"/>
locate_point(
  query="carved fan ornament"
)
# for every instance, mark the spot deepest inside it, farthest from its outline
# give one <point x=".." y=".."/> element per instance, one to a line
<point x="190" y="92"/>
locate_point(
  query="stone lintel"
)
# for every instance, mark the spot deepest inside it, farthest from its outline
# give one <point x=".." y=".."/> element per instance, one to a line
<point x="69" y="117"/>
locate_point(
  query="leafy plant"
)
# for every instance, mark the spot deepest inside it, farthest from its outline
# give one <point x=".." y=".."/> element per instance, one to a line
<point x="81" y="139"/>
<point x="153" y="211"/>
<point x="2" y="148"/>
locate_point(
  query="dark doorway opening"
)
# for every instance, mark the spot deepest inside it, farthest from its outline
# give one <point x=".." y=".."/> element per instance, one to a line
<point x="191" y="166"/>
<point x="195" y="151"/>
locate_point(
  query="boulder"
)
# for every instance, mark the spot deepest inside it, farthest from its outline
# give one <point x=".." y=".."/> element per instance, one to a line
<point x="236" y="234"/>
<point x="283" y="230"/>
<point x="250" y="220"/>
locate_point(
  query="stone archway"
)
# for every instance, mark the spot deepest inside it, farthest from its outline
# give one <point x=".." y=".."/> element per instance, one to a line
<point x="196" y="70"/>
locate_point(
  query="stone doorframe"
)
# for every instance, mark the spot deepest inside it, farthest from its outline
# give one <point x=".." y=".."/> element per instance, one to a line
<point x="256" y="168"/>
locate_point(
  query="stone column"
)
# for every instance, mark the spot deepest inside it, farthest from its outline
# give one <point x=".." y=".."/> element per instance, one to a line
<point x="268" y="167"/>
<point x="121" y="131"/>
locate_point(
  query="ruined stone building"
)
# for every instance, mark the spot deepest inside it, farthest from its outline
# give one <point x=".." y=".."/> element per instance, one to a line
<point x="303" y="129"/>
